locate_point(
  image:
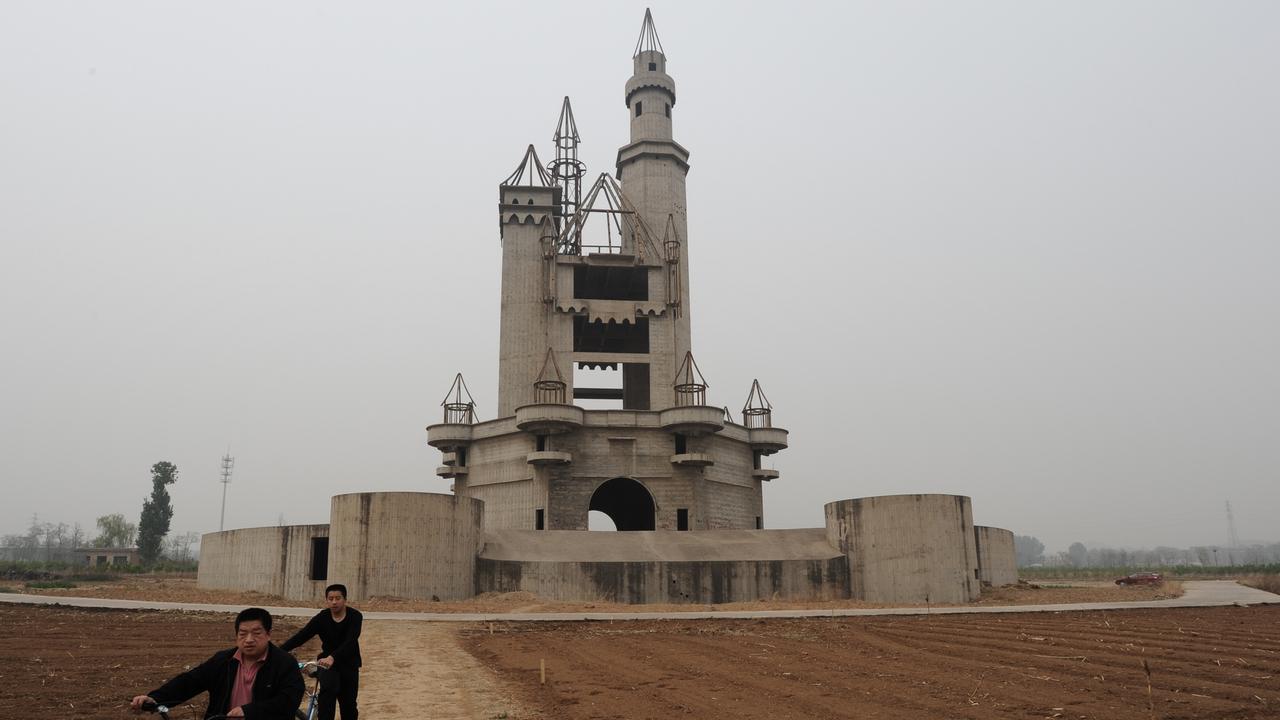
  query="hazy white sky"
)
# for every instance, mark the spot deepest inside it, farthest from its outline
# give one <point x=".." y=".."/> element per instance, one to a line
<point x="1025" y="252"/>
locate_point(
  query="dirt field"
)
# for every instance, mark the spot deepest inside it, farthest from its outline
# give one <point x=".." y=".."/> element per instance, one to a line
<point x="1204" y="663"/>
<point x="60" y="662"/>
<point x="169" y="588"/>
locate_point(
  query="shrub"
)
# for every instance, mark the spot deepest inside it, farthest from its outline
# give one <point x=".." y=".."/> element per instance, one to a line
<point x="50" y="585"/>
<point x="1270" y="583"/>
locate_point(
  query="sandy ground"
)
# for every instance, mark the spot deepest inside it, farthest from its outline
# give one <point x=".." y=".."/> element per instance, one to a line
<point x="183" y="589"/>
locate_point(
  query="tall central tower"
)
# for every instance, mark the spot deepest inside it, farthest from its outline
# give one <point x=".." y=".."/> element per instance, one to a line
<point x="598" y="280"/>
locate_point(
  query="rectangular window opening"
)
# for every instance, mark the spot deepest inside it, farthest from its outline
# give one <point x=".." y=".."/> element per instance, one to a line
<point x="653" y="67"/>
<point x="320" y="558"/>
<point x="461" y="455"/>
<point x="540" y="443"/>
<point x="540" y="519"/>
<point x="598" y="387"/>
<point x="605" y="282"/>
<point x="668" y="109"/>
<point x="682" y="518"/>
<point x="755" y="459"/>
<point x="759" y="523"/>
<point x="611" y="337"/>
<point x="637" y="108"/>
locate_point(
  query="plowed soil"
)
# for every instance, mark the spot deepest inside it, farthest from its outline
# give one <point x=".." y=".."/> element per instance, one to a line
<point x="1203" y="663"/>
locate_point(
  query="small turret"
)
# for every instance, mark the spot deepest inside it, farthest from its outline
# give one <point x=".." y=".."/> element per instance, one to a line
<point x="651" y="92"/>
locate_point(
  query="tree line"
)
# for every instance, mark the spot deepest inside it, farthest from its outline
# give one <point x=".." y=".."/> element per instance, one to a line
<point x="57" y="542"/>
<point x="1030" y="551"/>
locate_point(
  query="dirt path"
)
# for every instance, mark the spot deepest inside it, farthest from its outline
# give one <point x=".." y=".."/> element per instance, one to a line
<point x="416" y="670"/>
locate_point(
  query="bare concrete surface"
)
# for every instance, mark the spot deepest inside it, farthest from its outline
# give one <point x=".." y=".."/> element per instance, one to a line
<point x="1197" y="593"/>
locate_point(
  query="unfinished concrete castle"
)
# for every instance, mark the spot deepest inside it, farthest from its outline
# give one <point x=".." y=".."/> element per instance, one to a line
<point x="600" y="280"/>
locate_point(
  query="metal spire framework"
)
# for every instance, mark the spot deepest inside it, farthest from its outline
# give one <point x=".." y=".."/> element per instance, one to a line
<point x="458" y="411"/>
<point x="624" y="228"/>
<point x="567" y="170"/>
<point x="690" y="386"/>
<point x="529" y="172"/>
<point x="550" y="385"/>
<point x="758" y="411"/>
<point x="648" y="41"/>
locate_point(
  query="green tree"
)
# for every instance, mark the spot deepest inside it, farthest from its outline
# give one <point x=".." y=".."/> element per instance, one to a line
<point x="114" y="531"/>
<point x="156" y="512"/>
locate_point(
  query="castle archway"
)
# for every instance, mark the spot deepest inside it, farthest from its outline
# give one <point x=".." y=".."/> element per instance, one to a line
<point x="626" y="502"/>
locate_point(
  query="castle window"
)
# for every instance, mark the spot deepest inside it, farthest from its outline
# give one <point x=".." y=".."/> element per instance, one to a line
<point x="682" y="445"/>
<point x="668" y="109"/>
<point x="610" y="337"/>
<point x="530" y="201"/>
<point x="540" y="443"/>
<point x="759" y="523"/>
<point x="638" y="104"/>
<point x="610" y="282"/>
<point x="682" y="518"/>
<point x="653" y="66"/>
<point x="540" y="519"/>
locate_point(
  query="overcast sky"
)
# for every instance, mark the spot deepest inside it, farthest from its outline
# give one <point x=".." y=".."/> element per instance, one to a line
<point x="1024" y="252"/>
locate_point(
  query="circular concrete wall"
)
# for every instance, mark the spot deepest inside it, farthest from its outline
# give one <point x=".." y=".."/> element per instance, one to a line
<point x="405" y="544"/>
<point x="907" y="548"/>
<point x="997" y="561"/>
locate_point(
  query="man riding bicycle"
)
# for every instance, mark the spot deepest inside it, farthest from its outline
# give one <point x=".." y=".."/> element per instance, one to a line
<point x="254" y="680"/>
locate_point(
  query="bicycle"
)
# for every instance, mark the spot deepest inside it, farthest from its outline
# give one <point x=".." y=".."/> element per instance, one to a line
<point x="312" y="694"/>
<point x="163" y="711"/>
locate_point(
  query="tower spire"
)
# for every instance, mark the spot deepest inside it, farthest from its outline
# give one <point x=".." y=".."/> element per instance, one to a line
<point x="566" y="170"/>
<point x="648" y="41"/>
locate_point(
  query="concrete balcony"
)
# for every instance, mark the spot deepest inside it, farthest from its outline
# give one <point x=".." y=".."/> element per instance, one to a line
<point x="451" y="471"/>
<point x="692" y="419"/>
<point x="549" y="457"/>
<point x="692" y="459"/>
<point x="768" y="440"/>
<point x="765" y="474"/>
<point x="447" y="436"/>
<point x="548" y="418"/>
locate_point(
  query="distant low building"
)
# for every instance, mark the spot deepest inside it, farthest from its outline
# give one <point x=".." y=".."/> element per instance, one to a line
<point x="108" y="556"/>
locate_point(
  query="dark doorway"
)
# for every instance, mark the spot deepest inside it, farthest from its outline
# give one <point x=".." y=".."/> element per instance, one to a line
<point x="319" y="558"/>
<point x="626" y="502"/>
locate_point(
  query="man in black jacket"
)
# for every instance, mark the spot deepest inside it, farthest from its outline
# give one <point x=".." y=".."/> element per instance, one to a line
<point x="254" y="680"/>
<point x="339" y="631"/>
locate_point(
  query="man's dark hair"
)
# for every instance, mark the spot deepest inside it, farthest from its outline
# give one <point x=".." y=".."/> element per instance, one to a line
<point x="339" y="587"/>
<point x="251" y="614"/>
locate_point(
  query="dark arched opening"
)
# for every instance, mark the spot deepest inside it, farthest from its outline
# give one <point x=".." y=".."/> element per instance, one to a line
<point x="626" y="502"/>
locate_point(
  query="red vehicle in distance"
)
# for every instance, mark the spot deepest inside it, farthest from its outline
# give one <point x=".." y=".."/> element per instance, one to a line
<point x="1142" y="578"/>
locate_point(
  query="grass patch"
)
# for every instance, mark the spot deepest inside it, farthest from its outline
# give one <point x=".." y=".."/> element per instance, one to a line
<point x="4" y="589"/>
<point x="50" y="585"/>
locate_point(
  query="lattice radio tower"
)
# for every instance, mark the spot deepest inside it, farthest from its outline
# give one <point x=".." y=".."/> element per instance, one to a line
<point x="228" y="463"/>
<point x="1233" y="539"/>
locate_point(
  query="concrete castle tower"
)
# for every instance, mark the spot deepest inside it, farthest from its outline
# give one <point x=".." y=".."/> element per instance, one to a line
<point x="598" y="279"/>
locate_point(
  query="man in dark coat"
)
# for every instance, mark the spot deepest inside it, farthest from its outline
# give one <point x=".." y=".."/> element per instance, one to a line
<point x="254" y="680"/>
<point x="339" y="631"/>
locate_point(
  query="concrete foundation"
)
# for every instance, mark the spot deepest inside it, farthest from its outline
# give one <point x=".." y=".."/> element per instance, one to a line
<point x="269" y="560"/>
<point x="664" y="567"/>
<point x="907" y="548"/>
<point x="997" y="563"/>
<point x="405" y="544"/>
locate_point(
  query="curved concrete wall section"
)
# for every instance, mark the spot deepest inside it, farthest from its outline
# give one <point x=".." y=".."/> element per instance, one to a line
<point x="269" y="560"/>
<point x="907" y="548"/>
<point x="405" y="544"/>
<point x="997" y="563"/>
